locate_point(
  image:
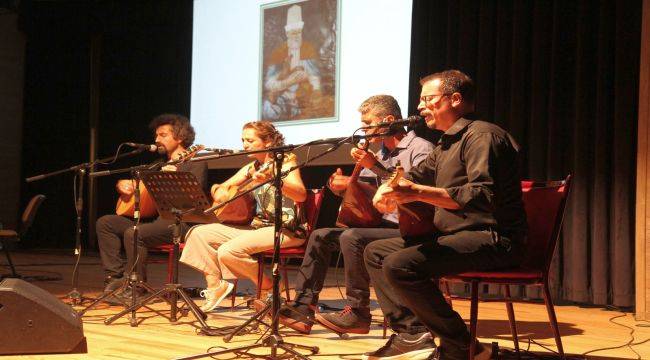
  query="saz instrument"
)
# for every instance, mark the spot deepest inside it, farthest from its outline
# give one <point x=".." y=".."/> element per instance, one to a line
<point x="357" y="210"/>
<point x="126" y="203"/>
<point x="415" y="218"/>
<point x="242" y="210"/>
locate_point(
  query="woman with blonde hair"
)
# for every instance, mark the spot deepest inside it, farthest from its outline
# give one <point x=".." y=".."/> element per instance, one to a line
<point x="222" y="251"/>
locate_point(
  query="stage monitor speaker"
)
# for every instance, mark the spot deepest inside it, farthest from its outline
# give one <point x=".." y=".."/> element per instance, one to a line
<point x="33" y="321"/>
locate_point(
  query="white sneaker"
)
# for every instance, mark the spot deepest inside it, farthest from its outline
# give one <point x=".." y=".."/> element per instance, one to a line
<point x="215" y="295"/>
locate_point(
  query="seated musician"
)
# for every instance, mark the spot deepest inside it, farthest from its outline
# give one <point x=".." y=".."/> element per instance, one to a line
<point x="472" y="178"/>
<point x="222" y="251"/>
<point x="115" y="232"/>
<point x="403" y="147"/>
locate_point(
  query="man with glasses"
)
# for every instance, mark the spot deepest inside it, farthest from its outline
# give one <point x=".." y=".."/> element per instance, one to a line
<point x="472" y="179"/>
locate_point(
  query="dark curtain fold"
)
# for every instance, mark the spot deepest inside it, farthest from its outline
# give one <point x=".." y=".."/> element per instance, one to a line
<point x="562" y="78"/>
<point x="145" y="68"/>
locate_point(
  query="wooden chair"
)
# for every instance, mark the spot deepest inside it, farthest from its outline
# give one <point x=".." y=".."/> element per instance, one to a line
<point x="545" y="203"/>
<point x="26" y="221"/>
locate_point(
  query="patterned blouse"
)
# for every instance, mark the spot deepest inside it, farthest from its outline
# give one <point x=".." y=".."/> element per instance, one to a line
<point x="264" y="197"/>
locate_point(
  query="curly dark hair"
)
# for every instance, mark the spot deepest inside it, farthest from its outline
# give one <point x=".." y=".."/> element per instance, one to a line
<point x="453" y="81"/>
<point x="266" y="131"/>
<point x="181" y="127"/>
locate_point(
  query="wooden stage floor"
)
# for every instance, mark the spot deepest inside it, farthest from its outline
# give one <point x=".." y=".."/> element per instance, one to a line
<point x="583" y="329"/>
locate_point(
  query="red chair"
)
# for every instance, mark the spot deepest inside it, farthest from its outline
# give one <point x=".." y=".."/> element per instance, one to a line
<point x="545" y="203"/>
<point x="311" y="208"/>
<point x="167" y="249"/>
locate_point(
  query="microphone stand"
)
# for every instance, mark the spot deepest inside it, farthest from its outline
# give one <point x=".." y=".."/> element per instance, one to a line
<point x="81" y="169"/>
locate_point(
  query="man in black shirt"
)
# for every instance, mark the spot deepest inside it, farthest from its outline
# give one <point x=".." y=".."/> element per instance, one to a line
<point x="472" y="179"/>
<point x="115" y="232"/>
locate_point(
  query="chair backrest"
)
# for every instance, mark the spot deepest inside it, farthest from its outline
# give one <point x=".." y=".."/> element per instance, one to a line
<point x="545" y="203"/>
<point x="311" y="208"/>
<point x="29" y="213"/>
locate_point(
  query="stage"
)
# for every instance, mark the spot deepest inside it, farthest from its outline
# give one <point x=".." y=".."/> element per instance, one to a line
<point x="583" y="329"/>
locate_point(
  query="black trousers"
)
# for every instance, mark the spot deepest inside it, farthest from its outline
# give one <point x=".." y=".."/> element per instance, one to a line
<point x="402" y="270"/>
<point x="321" y="245"/>
<point x="115" y="233"/>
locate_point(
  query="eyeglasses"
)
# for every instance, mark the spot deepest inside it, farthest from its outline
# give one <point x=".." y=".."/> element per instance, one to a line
<point x="427" y="98"/>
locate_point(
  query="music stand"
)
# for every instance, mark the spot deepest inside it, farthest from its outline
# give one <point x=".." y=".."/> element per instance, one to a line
<point x="178" y="196"/>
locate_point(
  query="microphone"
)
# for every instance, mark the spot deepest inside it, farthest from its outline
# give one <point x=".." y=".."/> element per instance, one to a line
<point x="148" y="147"/>
<point x="410" y="121"/>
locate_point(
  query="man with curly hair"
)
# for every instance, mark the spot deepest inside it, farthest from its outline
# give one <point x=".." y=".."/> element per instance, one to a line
<point x="175" y="134"/>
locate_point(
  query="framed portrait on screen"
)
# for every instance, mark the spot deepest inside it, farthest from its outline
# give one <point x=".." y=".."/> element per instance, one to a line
<point x="299" y="67"/>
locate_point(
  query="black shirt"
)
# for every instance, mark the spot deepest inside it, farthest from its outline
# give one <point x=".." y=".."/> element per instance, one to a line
<point x="476" y="163"/>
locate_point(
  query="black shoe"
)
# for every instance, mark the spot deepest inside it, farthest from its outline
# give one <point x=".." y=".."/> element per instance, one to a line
<point x="113" y="282"/>
<point x="116" y="299"/>
<point x="349" y="320"/>
<point x="125" y="296"/>
<point x="297" y="316"/>
<point x="405" y="346"/>
<point x="483" y="352"/>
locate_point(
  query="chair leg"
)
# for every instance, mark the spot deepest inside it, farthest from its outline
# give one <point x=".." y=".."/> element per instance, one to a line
<point x="260" y="275"/>
<point x="511" y="318"/>
<point x="473" y="320"/>
<point x="551" y="316"/>
<point x="233" y="294"/>
<point x="385" y="327"/>
<point x="11" y="264"/>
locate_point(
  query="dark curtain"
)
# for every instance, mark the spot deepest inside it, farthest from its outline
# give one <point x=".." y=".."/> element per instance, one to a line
<point x="145" y="61"/>
<point x="562" y="78"/>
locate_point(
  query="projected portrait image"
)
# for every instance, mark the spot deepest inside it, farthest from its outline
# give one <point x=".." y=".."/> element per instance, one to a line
<point x="299" y="61"/>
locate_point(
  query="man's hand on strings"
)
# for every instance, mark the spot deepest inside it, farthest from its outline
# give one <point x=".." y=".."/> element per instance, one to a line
<point x="365" y="157"/>
<point x="124" y="187"/>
